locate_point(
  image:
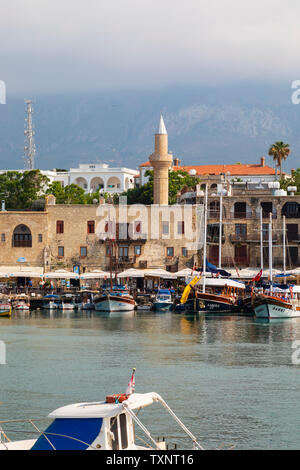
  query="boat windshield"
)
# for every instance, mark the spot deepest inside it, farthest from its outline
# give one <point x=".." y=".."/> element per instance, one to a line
<point x="164" y="297"/>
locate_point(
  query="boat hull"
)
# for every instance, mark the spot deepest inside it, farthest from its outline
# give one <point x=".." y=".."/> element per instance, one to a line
<point x="269" y="308"/>
<point x="209" y="303"/>
<point x="51" y="305"/>
<point x="5" y="313"/>
<point x="162" y="305"/>
<point x="110" y="303"/>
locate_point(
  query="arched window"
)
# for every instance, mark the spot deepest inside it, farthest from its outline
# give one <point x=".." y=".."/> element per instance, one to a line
<point x="82" y="182"/>
<point x="97" y="183"/>
<point x="22" y="237"/>
<point x="291" y="210"/>
<point x="113" y="184"/>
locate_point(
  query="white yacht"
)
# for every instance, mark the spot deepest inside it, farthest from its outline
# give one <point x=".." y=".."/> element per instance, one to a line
<point x="105" y="425"/>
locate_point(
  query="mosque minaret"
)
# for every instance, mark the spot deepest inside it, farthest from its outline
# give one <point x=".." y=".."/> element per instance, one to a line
<point x="161" y="162"/>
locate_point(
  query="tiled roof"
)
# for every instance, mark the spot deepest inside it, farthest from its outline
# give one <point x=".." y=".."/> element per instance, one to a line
<point x="237" y="169"/>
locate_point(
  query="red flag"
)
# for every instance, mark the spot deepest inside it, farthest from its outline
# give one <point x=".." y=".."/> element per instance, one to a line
<point x="131" y="385"/>
<point x="257" y="277"/>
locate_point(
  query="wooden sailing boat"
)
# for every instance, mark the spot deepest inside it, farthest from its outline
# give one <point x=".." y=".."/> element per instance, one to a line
<point x="116" y="298"/>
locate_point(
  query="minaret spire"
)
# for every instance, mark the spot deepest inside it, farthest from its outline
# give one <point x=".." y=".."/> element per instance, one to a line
<point x="162" y="128"/>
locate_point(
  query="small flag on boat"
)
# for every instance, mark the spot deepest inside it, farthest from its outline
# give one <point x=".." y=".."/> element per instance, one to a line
<point x="131" y="385"/>
<point x="257" y="277"/>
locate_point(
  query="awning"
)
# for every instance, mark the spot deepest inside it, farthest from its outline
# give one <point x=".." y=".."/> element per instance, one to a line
<point x="96" y="274"/>
<point x="131" y="273"/>
<point x="21" y="271"/>
<point x="187" y="272"/>
<point x="161" y="273"/>
<point x="61" y="274"/>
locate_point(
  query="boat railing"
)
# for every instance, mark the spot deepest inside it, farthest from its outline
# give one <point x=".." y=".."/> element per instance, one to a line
<point x="159" y="399"/>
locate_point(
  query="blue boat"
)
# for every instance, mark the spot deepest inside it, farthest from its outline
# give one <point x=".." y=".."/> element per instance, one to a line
<point x="163" y="300"/>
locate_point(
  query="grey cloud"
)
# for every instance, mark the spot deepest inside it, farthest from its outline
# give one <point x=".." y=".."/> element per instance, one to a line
<point x="75" y="45"/>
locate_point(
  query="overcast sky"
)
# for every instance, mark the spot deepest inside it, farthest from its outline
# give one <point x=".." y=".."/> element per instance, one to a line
<point x="52" y="46"/>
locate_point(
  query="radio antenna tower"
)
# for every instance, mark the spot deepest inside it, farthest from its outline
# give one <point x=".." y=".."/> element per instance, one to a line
<point x="29" y="147"/>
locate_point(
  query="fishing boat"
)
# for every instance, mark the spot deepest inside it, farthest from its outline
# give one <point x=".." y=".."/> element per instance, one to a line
<point x="163" y="300"/>
<point x="5" y="312"/>
<point x="277" y="304"/>
<point x="21" y="302"/>
<point x="112" y="424"/>
<point x="145" y="306"/>
<point x="86" y="300"/>
<point x="51" y="301"/>
<point x="67" y="302"/>
<point x="221" y="296"/>
<point x="116" y="299"/>
<point x="5" y="304"/>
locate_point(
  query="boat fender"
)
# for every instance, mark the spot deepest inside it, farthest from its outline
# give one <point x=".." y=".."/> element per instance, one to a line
<point x="117" y="398"/>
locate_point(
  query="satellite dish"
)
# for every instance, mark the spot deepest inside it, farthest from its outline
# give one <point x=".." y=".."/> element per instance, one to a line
<point x="192" y="172"/>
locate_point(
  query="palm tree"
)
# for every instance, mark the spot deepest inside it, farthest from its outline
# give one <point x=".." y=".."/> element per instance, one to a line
<point x="279" y="151"/>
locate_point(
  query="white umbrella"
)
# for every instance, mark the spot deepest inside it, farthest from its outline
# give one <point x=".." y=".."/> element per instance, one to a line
<point x="250" y="273"/>
<point x="26" y="274"/>
<point x="162" y="273"/>
<point x="187" y="272"/>
<point x="61" y="274"/>
<point x="96" y="274"/>
<point x="131" y="273"/>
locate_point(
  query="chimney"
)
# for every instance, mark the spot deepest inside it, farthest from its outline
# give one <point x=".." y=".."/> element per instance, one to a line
<point x="262" y="161"/>
<point x="50" y="200"/>
<point x="176" y="162"/>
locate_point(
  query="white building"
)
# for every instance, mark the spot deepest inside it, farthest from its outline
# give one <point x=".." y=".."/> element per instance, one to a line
<point x="94" y="177"/>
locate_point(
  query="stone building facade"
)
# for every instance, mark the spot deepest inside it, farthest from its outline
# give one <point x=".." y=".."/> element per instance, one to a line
<point x="245" y="214"/>
<point x="102" y="236"/>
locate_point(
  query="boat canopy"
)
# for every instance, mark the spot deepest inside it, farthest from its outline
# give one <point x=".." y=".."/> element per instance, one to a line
<point x="219" y="282"/>
<point x="104" y="410"/>
<point x="164" y="292"/>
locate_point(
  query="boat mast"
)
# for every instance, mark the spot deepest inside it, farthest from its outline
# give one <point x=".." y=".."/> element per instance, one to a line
<point x="261" y="240"/>
<point x="220" y="228"/>
<point x="270" y="252"/>
<point x="284" y="248"/>
<point x="205" y="236"/>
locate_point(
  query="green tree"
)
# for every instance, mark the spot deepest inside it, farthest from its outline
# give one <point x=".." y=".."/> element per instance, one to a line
<point x="20" y="190"/>
<point x="293" y="181"/>
<point x="279" y="151"/>
<point x="71" y="194"/>
<point x="144" y="195"/>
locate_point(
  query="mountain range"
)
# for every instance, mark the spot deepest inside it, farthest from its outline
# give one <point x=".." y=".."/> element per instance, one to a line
<point x="208" y="123"/>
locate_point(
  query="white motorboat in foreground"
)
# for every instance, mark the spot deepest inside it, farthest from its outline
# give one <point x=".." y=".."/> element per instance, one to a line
<point x="106" y="425"/>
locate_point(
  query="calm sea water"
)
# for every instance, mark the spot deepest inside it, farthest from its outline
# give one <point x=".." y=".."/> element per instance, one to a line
<point x="230" y="379"/>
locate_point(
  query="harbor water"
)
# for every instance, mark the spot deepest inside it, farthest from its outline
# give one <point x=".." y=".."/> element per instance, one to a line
<point x="231" y="380"/>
